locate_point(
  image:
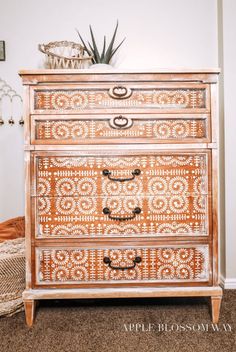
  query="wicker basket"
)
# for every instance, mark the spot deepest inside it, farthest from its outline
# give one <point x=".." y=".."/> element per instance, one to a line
<point x="12" y="276"/>
<point x="65" y="55"/>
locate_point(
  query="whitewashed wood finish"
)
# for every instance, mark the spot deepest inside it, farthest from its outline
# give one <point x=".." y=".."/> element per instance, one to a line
<point x="164" y="264"/>
<point x="121" y="292"/>
<point x="79" y="129"/>
<point x="67" y="79"/>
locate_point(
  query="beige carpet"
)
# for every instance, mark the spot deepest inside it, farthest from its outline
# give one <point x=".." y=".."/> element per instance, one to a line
<point x="103" y="325"/>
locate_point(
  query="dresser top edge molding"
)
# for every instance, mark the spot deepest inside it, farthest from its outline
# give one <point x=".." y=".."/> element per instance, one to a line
<point x="113" y="71"/>
<point x="205" y="75"/>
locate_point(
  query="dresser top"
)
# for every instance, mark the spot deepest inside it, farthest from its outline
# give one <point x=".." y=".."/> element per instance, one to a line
<point x="115" y="71"/>
<point x="31" y="77"/>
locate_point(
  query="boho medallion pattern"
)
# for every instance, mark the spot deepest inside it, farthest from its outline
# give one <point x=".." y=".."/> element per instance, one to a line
<point x="72" y="265"/>
<point x="121" y="184"/>
<point x="171" y="191"/>
<point x="65" y="130"/>
<point x="82" y="99"/>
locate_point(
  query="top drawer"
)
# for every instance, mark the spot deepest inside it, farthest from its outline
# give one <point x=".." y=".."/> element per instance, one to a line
<point x="170" y="97"/>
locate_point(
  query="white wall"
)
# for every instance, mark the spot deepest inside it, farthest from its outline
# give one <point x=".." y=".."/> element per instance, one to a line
<point x="229" y="57"/>
<point x="158" y="34"/>
<point x="221" y="139"/>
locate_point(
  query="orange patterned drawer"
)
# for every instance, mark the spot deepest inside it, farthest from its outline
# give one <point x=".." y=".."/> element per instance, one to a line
<point x="169" y="97"/>
<point x="151" y="129"/>
<point x="125" y="264"/>
<point x="89" y="176"/>
<point x="136" y="216"/>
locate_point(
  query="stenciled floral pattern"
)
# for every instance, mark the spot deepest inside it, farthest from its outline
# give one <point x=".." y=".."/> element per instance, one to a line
<point x="171" y="191"/>
<point x="72" y="265"/>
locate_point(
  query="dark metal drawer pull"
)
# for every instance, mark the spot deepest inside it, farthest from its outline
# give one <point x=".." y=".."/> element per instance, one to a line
<point x="136" y="211"/>
<point x="107" y="173"/>
<point x="120" y="92"/>
<point x="121" y="122"/>
<point x="108" y="261"/>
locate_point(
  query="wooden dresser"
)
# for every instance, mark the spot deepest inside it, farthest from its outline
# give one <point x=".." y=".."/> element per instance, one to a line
<point x="121" y="185"/>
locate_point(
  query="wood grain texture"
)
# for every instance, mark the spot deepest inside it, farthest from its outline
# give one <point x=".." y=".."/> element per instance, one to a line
<point x="74" y="265"/>
<point x="198" y="291"/>
<point x="154" y="97"/>
<point x="215" y="308"/>
<point x="72" y="193"/>
<point x="79" y="123"/>
<point x="165" y="75"/>
<point x="30" y="305"/>
<point x="105" y="129"/>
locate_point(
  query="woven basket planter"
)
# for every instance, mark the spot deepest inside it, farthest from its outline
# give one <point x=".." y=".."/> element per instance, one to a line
<point x="12" y="276"/>
<point x="65" y="55"/>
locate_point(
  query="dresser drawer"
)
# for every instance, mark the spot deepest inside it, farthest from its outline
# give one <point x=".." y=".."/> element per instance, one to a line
<point x="160" y="173"/>
<point x="167" y="264"/>
<point x="123" y="97"/>
<point x="111" y="128"/>
<point x="133" y="217"/>
<point x="75" y="197"/>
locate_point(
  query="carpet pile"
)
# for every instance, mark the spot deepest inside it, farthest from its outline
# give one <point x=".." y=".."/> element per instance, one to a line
<point x="123" y="325"/>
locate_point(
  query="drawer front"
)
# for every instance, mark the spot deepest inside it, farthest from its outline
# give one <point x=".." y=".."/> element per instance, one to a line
<point x="90" y="176"/>
<point x="128" y="96"/>
<point x="114" y="128"/>
<point x="126" y="264"/>
<point x="75" y="198"/>
<point x="104" y="217"/>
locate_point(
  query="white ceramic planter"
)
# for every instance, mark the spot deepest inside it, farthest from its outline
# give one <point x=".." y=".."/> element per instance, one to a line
<point x="101" y="67"/>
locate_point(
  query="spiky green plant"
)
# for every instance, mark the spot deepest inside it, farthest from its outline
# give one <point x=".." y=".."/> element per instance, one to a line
<point x="107" y="52"/>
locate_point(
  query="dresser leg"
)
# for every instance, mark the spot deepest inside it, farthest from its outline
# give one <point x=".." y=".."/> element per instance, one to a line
<point x="29" y="311"/>
<point x="215" y="308"/>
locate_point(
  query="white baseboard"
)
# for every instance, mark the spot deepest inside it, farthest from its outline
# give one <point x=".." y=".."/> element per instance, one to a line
<point x="228" y="284"/>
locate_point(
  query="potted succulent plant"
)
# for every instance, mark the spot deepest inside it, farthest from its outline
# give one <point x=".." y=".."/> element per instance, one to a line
<point x="103" y="58"/>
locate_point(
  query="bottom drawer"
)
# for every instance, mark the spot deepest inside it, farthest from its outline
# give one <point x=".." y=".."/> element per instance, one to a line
<point x="72" y="265"/>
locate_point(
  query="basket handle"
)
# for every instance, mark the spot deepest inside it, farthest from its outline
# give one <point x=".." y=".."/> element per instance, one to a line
<point x="41" y="48"/>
